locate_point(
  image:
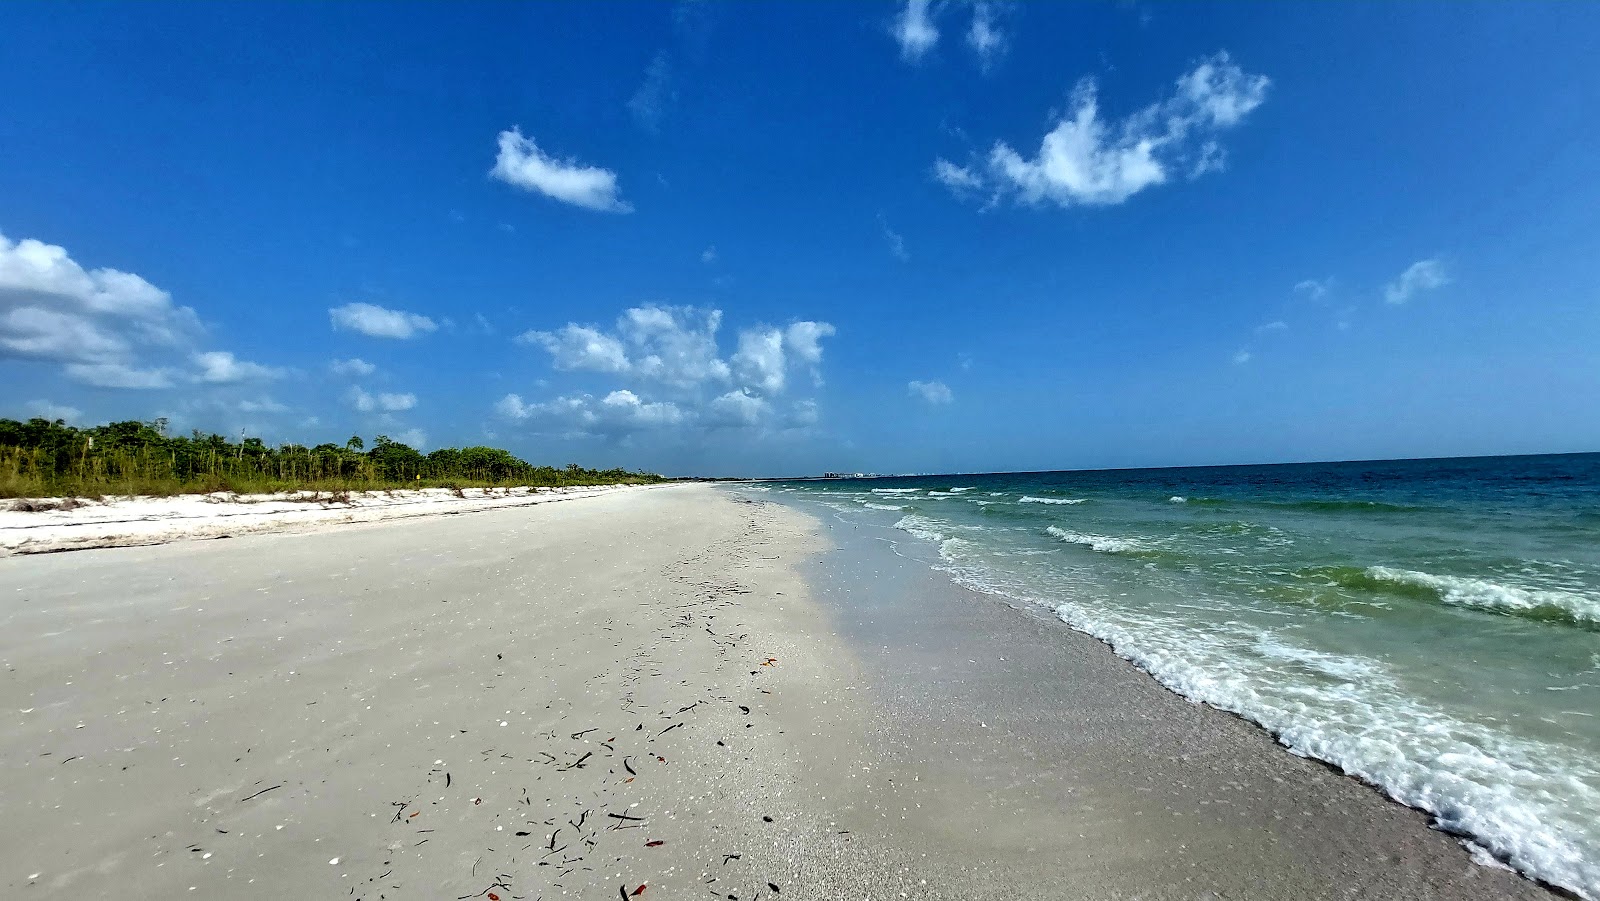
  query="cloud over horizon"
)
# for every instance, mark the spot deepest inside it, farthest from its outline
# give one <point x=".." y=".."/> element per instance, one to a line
<point x="674" y="374"/>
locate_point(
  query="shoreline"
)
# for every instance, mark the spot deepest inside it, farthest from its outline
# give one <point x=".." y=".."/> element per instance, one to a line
<point x="1051" y="680"/>
<point x="685" y="689"/>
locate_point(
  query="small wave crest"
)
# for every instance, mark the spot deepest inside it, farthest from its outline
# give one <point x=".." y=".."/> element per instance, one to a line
<point x="871" y="506"/>
<point x="920" y="526"/>
<point x="1545" y="604"/>
<point x="897" y="491"/>
<point x="1030" y="499"/>
<point x="959" y="490"/>
<point x="1105" y="544"/>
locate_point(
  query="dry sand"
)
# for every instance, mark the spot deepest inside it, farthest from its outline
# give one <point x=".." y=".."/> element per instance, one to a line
<point x="47" y="525"/>
<point x="525" y="702"/>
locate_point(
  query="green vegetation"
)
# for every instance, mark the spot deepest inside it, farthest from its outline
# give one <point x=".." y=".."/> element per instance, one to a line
<point x="40" y="458"/>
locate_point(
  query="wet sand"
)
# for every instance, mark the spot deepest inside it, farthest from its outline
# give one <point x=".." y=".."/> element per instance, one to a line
<point x="676" y="688"/>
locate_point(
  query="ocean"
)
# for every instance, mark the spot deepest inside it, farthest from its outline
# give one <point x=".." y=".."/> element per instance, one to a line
<point x="1429" y="626"/>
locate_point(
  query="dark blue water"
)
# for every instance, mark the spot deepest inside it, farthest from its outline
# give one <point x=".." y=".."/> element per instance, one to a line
<point x="1432" y="626"/>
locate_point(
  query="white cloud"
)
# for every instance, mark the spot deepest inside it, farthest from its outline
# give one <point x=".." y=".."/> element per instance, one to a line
<point x="1314" y="289"/>
<point x="760" y="362"/>
<point x="44" y="409"/>
<point x="620" y="412"/>
<point x="580" y="347"/>
<point x="379" y="322"/>
<point x="262" y="405"/>
<point x="805" y="413"/>
<point x="1086" y="161"/>
<point x="1423" y="275"/>
<point x="804" y="340"/>
<point x="738" y="409"/>
<point x="674" y="345"/>
<point x="522" y="164"/>
<point x="220" y="367"/>
<point x="985" y="37"/>
<point x="380" y="403"/>
<point x="99" y="322"/>
<point x="709" y="255"/>
<point x="959" y="179"/>
<point x="914" y="29"/>
<point x="932" y="392"/>
<point x="674" y="351"/>
<point x="897" y="243"/>
<point x="649" y="103"/>
<point x="414" y="438"/>
<point x="354" y="366"/>
<point x="1241" y="358"/>
<point x="119" y="375"/>
<point x="1277" y="325"/>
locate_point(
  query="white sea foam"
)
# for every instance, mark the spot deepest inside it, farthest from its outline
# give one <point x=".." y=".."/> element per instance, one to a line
<point x="941" y="494"/>
<point x="1488" y="595"/>
<point x="1473" y="779"/>
<point x="1337" y="666"/>
<point x="1067" y="501"/>
<point x="1177" y="499"/>
<point x="1103" y="543"/>
<point x="1523" y="800"/>
<point x="997" y="494"/>
<point x="871" y="506"/>
<point x="897" y="491"/>
<point x="920" y="526"/>
<point x="959" y="490"/>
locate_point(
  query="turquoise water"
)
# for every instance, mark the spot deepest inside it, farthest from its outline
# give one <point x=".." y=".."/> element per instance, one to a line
<point x="1431" y="626"/>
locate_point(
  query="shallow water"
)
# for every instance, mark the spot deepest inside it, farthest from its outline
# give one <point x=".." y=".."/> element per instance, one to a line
<point x="1432" y="626"/>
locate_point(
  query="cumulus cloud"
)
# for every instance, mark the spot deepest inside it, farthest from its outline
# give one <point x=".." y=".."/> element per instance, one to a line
<point x="221" y="367"/>
<point x="98" y="322"/>
<point x="1277" y="325"/>
<point x="262" y="405"/>
<point x="1423" y="275"/>
<point x="931" y="392"/>
<point x="379" y="322"/>
<point x="416" y="438"/>
<point x="44" y="409"/>
<point x="1241" y="358"/>
<point x="709" y="255"/>
<point x="985" y="37"/>
<point x="958" y="179"/>
<point x="673" y="351"/>
<point x="119" y="375"/>
<point x="1087" y="161"/>
<point x="914" y="30"/>
<point x="760" y="361"/>
<point x="580" y="347"/>
<point x="522" y="164"/>
<point x="618" y="413"/>
<point x="917" y="34"/>
<point x="380" y="403"/>
<point x="354" y="366"/>
<point x="738" y="409"/>
<point x="1314" y="289"/>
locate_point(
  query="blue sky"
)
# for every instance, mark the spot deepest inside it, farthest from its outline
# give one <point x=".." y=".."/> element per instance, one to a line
<point x="782" y="238"/>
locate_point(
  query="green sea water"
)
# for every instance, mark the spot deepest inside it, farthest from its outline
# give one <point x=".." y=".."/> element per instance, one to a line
<point x="1431" y="626"/>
